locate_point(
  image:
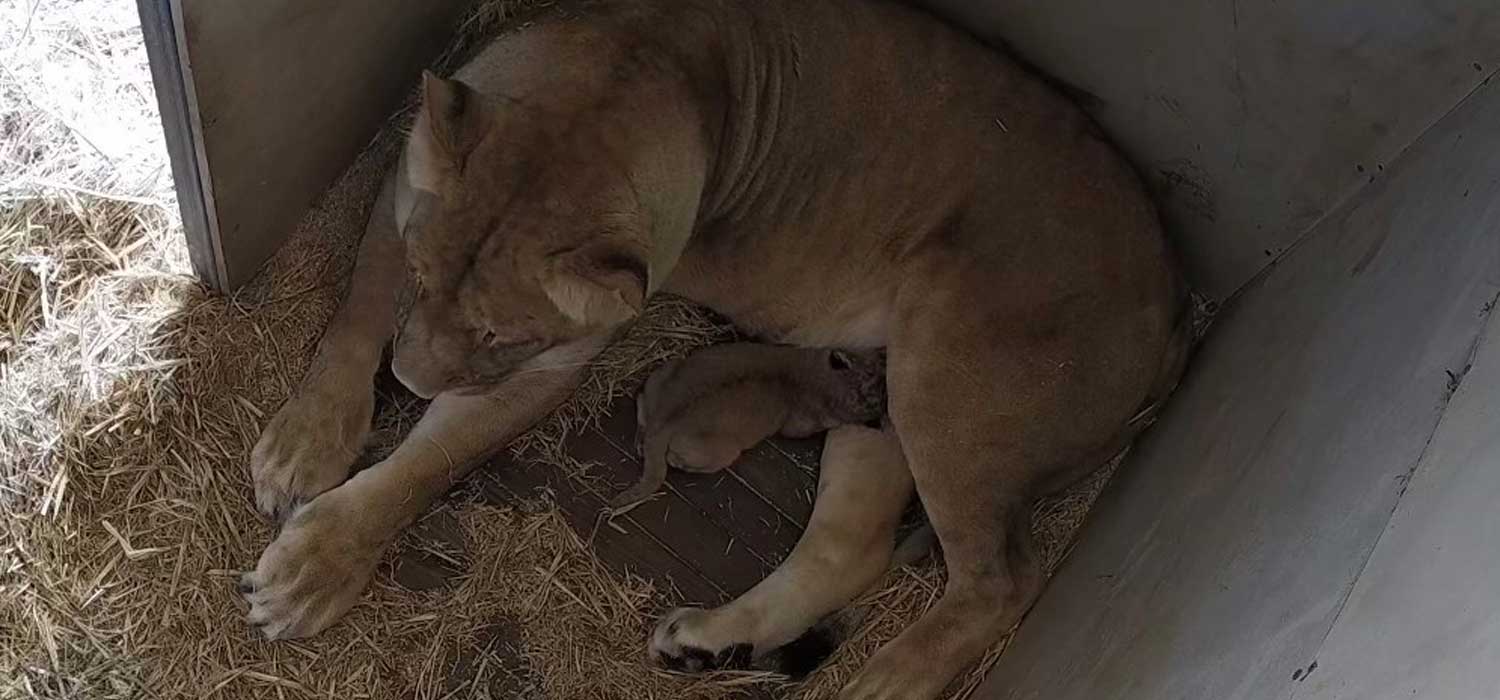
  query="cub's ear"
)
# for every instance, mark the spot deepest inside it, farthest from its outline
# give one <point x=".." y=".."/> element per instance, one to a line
<point x="452" y="122"/>
<point x="600" y="285"/>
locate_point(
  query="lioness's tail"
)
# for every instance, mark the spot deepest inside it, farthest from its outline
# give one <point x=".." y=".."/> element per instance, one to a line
<point x="1193" y="314"/>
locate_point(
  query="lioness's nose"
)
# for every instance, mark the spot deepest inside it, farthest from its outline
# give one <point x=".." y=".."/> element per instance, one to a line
<point x="416" y="377"/>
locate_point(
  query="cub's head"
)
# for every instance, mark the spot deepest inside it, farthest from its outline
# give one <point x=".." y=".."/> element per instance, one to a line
<point x="525" y="243"/>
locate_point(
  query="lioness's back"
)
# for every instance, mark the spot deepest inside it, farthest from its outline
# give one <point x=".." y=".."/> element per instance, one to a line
<point x="865" y="131"/>
<point x="852" y="137"/>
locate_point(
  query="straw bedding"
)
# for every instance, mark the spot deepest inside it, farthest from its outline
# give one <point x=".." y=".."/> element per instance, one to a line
<point x="130" y="397"/>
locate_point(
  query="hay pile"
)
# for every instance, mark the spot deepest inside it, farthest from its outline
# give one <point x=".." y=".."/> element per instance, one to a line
<point x="130" y="397"/>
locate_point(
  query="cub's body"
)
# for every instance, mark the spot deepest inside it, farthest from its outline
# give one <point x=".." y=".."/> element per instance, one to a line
<point x="699" y="413"/>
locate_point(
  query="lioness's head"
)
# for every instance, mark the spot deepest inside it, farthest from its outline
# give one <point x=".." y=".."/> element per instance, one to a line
<point x="525" y="240"/>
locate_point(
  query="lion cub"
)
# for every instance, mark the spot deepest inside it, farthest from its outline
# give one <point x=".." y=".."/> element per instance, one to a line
<point x="700" y="412"/>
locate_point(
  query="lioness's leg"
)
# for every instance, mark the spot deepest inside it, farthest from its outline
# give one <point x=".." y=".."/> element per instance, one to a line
<point x="987" y="406"/>
<point x="994" y="575"/>
<point x="316" y="568"/>
<point x="309" y="445"/>
<point x="863" y="487"/>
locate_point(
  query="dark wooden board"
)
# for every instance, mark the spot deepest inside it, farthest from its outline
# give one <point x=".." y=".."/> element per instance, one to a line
<point x="622" y="547"/>
<point x="725" y="498"/>
<point x="702" y="532"/>
<point x="705" y="537"/>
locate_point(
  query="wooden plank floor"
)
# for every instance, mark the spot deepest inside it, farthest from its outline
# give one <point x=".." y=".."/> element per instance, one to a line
<point x="706" y="537"/>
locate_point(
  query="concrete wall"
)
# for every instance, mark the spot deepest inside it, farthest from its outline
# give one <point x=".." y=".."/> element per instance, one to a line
<point x="1253" y="119"/>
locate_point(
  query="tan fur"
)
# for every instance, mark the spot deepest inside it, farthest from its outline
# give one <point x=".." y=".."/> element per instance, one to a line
<point x="847" y="173"/>
<point x="700" y="413"/>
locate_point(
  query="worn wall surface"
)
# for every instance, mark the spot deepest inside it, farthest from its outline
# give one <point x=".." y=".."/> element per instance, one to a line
<point x="286" y="93"/>
<point x="1252" y="118"/>
<point x="1422" y="621"/>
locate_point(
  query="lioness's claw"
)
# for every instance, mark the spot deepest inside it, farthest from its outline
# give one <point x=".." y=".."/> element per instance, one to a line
<point x="314" y="571"/>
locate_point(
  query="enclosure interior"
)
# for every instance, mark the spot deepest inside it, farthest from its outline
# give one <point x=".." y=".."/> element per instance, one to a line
<point x="266" y="103"/>
<point x="1308" y="519"/>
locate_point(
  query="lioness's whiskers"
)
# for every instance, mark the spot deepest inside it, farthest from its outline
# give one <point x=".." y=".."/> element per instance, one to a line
<point x="550" y="368"/>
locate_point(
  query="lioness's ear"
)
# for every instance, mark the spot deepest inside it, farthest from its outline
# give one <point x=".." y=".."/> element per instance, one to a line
<point x="451" y="124"/>
<point x="601" y="286"/>
<point x="456" y="117"/>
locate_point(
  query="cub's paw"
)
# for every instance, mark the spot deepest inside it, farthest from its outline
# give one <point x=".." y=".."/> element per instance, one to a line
<point x="685" y="641"/>
<point x="316" y="569"/>
<point x="308" y="448"/>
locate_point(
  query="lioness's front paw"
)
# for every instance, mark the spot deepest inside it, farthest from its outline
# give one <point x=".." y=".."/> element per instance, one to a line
<point x="308" y="448"/>
<point x="315" y="570"/>
<point x="684" y="640"/>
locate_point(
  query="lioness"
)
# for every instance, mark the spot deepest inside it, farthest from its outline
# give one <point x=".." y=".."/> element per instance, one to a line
<point x="699" y="413"/>
<point x="840" y="173"/>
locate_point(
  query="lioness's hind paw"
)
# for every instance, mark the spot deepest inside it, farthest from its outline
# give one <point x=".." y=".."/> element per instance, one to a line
<point x="675" y="647"/>
<point x="694" y="660"/>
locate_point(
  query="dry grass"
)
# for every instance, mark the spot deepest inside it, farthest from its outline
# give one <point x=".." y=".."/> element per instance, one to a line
<point x="129" y="398"/>
<point x="907" y="593"/>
